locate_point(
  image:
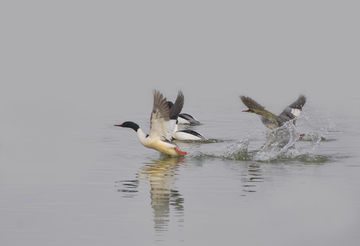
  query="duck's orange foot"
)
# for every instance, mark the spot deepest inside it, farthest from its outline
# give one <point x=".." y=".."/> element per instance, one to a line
<point x="180" y="152"/>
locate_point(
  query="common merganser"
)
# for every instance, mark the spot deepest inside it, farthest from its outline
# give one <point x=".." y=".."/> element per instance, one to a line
<point x="269" y="119"/>
<point x="186" y="119"/>
<point x="186" y="134"/>
<point x="162" y="124"/>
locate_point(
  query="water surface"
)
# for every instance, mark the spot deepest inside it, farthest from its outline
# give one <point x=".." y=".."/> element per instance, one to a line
<point x="85" y="182"/>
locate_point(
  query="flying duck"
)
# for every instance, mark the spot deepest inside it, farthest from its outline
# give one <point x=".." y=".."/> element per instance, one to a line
<point x="162" y="124"/>
<point x="269" y="119"/>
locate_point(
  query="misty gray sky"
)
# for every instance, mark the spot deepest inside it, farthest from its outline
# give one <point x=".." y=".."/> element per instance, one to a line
<point x="108" y="56"/>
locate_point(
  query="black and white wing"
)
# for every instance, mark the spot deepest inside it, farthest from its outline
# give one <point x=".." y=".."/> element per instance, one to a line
<point x="189" y="119"/>
<point x="175" y="110"/>
<point x="293" y="110"/>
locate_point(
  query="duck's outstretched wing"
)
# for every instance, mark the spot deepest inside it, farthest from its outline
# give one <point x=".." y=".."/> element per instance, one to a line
<point x="256" y="108"/>
<point x="293" y="110"/>
<point x="299" y="103"/>
<point x="177" y="106"/>
<point x="160" y="120"/>
<point x="175" y="110"/>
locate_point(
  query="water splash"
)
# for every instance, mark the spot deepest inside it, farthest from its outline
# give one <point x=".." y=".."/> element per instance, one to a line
<point x="281" y="144"/>
<point x="238" y="150"/>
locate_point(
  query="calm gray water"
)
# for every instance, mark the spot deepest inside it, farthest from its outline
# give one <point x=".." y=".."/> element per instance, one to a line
<point x="74" y="179"/>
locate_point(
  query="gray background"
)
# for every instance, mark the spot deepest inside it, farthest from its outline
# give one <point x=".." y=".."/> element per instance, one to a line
<point x="103" y="56"/>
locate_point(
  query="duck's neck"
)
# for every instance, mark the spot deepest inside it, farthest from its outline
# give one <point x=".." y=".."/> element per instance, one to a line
<point x="141" y="135"/>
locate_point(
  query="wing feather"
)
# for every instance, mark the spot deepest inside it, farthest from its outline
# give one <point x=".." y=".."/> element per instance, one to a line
<point x="293" y="110"/>
<point x="160" y="121"/>
<point x="299" y="103"/>
<point x="177" y="106"/>
<point x="175" y="110"/>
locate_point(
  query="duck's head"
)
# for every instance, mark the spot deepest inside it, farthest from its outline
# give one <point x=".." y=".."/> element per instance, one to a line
<point x="129" y="124"/>
<point x="253" y="107"/>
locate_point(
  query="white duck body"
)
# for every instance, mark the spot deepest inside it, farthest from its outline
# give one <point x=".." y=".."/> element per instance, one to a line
<point x="156" y="143"/>
<point x="187" y="135"/>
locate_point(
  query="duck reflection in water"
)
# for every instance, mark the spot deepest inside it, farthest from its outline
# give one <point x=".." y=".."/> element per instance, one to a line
<point x="161" y="175"/>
